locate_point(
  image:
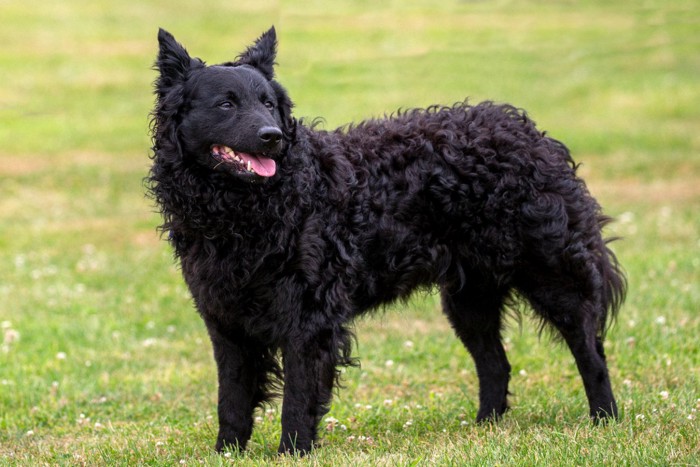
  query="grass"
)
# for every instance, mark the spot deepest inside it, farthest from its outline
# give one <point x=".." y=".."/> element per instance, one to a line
<point x="104" y="360"/>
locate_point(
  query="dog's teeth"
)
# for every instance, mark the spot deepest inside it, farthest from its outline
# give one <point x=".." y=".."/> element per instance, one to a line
<point x="249" y="167"/>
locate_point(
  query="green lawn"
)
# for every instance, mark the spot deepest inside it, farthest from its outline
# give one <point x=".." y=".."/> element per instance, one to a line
<point x="105" y="361"/>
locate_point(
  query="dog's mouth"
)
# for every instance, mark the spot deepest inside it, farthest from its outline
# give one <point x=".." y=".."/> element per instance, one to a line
<point x="243" y="163"/>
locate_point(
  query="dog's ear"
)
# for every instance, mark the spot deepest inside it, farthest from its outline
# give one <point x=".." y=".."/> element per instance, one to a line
<point x="173" y="61"/>
<point x="261" y="54"/>
<point x="284" y="105"/>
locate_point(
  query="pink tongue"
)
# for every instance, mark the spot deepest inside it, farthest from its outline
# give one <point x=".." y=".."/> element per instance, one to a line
<point x="261" y="165"/>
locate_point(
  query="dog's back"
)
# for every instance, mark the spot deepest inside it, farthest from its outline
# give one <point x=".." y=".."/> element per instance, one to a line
<point x="425" y="193"/>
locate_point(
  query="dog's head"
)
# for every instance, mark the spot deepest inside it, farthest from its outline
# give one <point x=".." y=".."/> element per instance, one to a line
<point x="232" y="117"/>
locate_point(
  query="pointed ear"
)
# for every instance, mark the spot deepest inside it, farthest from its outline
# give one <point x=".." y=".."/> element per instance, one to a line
<point x="173" y="61"/>
<point x="261" y="54"/>
<point x="284" y="104"/>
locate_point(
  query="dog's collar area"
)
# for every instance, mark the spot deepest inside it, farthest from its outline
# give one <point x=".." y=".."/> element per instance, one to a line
<point x="242" y="162"/>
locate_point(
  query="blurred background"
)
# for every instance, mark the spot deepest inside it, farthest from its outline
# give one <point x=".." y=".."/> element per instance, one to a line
<point x="103" y="356"/>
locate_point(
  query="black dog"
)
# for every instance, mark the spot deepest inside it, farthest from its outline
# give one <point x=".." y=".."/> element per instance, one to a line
<point x="285" y="234"/>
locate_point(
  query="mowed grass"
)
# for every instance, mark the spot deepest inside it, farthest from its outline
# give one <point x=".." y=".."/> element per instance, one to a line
<point x="105" y="361"/>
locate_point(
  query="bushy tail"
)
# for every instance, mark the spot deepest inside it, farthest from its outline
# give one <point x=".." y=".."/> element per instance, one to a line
<point x="614" y="281"/>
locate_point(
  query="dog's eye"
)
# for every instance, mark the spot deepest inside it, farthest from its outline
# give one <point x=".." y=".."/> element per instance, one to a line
<point x="270" y="105"/>
<point x="226" y="105"/>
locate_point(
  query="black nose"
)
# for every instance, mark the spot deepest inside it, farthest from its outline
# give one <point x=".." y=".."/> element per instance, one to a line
<point x="270" y="135"/>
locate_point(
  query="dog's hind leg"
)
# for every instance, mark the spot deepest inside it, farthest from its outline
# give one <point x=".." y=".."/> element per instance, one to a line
<point x="587" y="347"/>
<point x="244" y="367"/>
<point x="576" y="312"/>
<point x="474" y="310"/>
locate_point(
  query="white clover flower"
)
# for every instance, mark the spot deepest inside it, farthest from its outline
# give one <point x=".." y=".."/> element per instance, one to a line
<point x="664" y="394"/>
<point x="20" y="261"/>
<point x="625" y="217"/>
<point x="331" y="423"/>
<point x="150" y="342"/>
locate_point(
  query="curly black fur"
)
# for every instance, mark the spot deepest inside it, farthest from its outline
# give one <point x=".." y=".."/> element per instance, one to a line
<point x="283" y="246"/>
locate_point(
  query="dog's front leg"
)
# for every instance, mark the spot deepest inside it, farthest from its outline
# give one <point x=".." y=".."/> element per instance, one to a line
<point x="309" y="373"/>
<point x="242" y="380"/>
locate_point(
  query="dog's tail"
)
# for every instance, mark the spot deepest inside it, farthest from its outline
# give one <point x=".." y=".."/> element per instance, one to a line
<point x="614" y="279"/>
<point x="610" y="281"/>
